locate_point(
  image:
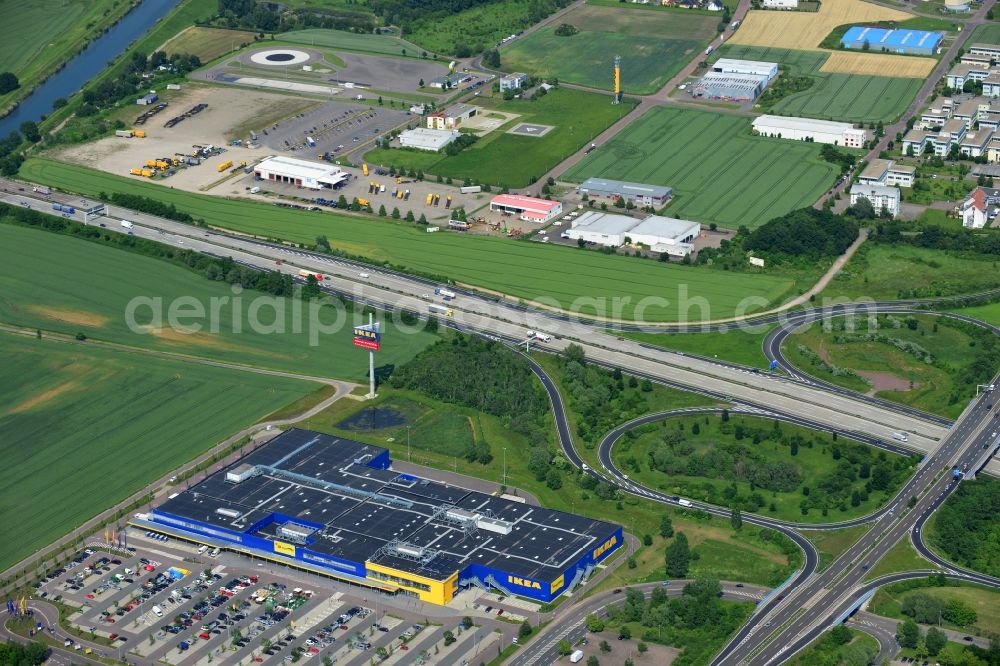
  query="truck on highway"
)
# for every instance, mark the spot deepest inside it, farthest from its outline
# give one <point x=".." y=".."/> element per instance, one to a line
<point x="41" y="190"/>
<point x="900" y="436"/>
<point x="63" y="209"/>
<point x="576" y="657"/>
<point x="440" y="309"/>
<point x="541" y="337"/>
<point x="127" y="225"/>
<point x="444" y="293"/>
<point x="684" y="502"/>
<point x="304" y="274"/>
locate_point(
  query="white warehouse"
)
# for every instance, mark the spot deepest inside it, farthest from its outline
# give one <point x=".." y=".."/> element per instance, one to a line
<point x="819" y="131"/>
<point x="301" y="173"/>
<point x="660" y="234"/>
<point x="769" y="70"/>
<point x="427" y="139"/>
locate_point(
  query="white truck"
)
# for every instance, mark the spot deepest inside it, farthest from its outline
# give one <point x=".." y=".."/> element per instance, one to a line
<point x="541" y="337"/>
<point x="444" y="293"/>
<point x="470" y="189"/>
<point x="684" y="502"/>
<point x="127" y="225"/>
<point x="576" y="657"/>
<point x="900" y="436"/>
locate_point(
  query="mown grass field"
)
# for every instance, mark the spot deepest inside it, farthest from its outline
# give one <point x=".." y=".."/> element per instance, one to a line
<point x="520" y="269"/>
<point x="724" y="553"/>
<point x="512" y="160"/>
<point x="718" y="170"/>
<point x="833" y="96"/>
<point x="36" y="37"/>
<point x="879" y="363"/>
<point x="736" y="346"/>
<point x="85" y="427"/>
<point x="831" y="544"/>
<point x="207" y="43"/>
<point x="813" y="460"/>
<point x="901" y="557"/>
<point x="352" y="41"/>
<point x="883" y="272"/>
<point x="101" y="281"/>
<point x="652" y="50"/>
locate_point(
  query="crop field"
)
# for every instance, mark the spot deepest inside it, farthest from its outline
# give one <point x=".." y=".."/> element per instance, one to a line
<point x="846" y="97"/>
<point x="718" y="170"/>
<point x="520" y="269"/>
<point x="877" y="64"/>
<point x="105" y="280"/>
<point x="207" y="43"/>
<point x="511" y="160"/>
<point x="805" y="30"/>
<point x="351" y="41"/>
<point x="987" y="33"/>
<point x="85" y="427"/>
<point x="652" y="50"/>
<point x="36" y="37"/>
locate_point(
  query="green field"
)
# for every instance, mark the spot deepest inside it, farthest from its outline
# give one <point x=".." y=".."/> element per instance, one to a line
<point x="736" y="346"/>
<point x="37" y="37"/>
<point x="833" y="96"/>
<point x="477" y="27"/>
<point x="901" y="557"/>
<point x="880" y="271"/>
<point x="85" y="427"/>
<point x="831" y="544"/>
<point x="104" y="280"/>
<point x="352" y="41"/>
<point x="987" y="33"/>
<point x="512" y="160"/>
<point x="860" y="650"/>
<point x="521" y="269"/>
<point x="986" y="602"/>
<point x="774" y="469"/>
<point x="652" y="50"/>
<point x="718" y="170"/>
<point x="921" y="367"/>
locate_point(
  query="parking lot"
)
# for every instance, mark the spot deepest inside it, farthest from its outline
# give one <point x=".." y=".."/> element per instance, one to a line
<point x="165" y="601"/>
<point x="336" y="127"/>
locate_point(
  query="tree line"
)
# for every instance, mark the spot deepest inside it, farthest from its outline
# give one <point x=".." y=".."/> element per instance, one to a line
<point x="148" y="205"/>
<point x="269" y="17"/>
<point x="33" y="653"/>
<point x="966" y="528"/>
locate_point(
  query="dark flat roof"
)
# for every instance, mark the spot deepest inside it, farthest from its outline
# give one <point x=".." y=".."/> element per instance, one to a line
<point x="326" y="481"/>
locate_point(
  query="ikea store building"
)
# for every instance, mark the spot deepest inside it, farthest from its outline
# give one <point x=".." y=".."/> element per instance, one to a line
<point x="336" y="507"/>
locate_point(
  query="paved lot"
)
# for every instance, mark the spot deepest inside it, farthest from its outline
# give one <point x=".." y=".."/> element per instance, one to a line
<point x="530" y="129"/>
<point x="336" y="127"/>
<point x="231" y="609"/>
<point x="385" y="73"/>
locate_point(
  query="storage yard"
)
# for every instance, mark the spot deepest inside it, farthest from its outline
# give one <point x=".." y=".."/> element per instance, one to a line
<point x="335" y="507"/>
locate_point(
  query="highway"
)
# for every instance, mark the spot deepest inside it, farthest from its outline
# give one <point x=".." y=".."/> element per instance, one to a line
<point x="476" y="313"/>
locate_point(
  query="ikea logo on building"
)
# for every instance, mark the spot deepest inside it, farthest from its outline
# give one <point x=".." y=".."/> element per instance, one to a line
<point x="556" y="584"/>
<point x="524" y="582"/>
<point x="284" y="548"/>
<point x="606" y="546"/>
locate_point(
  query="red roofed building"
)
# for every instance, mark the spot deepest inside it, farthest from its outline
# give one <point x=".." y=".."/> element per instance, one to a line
<point x="528" y="209"/>
<point x="976" y="209"/>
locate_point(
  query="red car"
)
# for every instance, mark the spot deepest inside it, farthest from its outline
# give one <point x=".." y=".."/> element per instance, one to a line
<point x="204" y="635"/>
<point x="149" y="567"/>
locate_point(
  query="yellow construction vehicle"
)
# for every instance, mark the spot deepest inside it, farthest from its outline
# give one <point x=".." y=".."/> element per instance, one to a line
<point x="430" y="198"/>
<point x="225" y="165"/>
<point x="136" y="172"/>
<point x="148" y="173"/>
<point x="162" y="164"/>
<point x="151" y="163"/>
<point x="139" y="133"/>
<point x="364" y="169"/>
<point x="363" y="202"/>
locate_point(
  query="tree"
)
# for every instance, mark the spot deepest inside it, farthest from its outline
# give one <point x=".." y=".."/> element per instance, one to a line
<point x="959" y="612"/>
<point x="30" y="131"/>
<point x="735" y="518"/>
<point x="594" y="624"/>
<point x="935" y="640"/>
<point x="381" y="211"/>
<point x="593" y="661"/>
<point x="642" y="647"/>
<point x="678" y="556"/>
<point x="666" y="526"/>
<point x="574" y="353"/>
<point x="553" y="479"/>
<point x="524" y="630"/>
<point x="563" y="647"/>
<point x="8" y="83"/>
<point x="420" y="84"/>
<point x="467" y="622"/>
<point x="395" y="213"/>
<point x="624" y="633"/>
<point x="908" y="633"/>
<point x="449" y="638"/>
<point x="841" y="635"/>
<point x="604" y="647"/>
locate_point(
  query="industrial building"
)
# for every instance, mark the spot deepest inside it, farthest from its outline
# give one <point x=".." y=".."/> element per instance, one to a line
<point x="529" y="209"/>
<point x="769" y="70"/>
<point x="819" y="131"/>
<point x="915" y="42"/>
<point x="640" y="194"/>
<point x="513" y="81"/>
<point x="146" y="100"/>
<point x="422" y="138"/>
<point x="335" y="507"/>
<point x="882" y="197"/>
<point x="301" y="173"/>
<point x="729" y="87"/>
<point x="452" y="117"/>
<point x="660" y="234"/>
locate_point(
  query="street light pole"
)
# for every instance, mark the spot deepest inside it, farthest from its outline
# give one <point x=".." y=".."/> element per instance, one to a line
<point x="408" y="457"/>
<point x="505" y="467"/>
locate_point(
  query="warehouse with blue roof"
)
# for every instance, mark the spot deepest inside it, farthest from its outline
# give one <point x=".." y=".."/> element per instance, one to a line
<point x="913" y="42"/>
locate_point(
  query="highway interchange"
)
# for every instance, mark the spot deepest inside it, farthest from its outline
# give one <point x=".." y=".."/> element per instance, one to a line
<point x="810" y="602"/>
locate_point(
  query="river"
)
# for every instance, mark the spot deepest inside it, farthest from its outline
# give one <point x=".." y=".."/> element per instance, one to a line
<point x="88" y="63"/>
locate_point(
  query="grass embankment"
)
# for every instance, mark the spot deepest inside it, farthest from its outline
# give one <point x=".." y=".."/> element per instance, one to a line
<point x="519" y="269"/>
<point x="652" y="49"/>
<point x="831" y="544"/>
<point x="889" y="600"/>
<point x="86" y="427"/>
<point x="921" y="361"/>
<point x="351" y="41"/>
<point x="516" y="160"/>
<point x="725" y="554"/>
<point x="901" y="557"/>
<point x="736" y="346"/>
<point x="100" y="286"/>
<point x="719" y="171"/>
<point x="39" y="37"/>
<point x="879" y="272"/>
<point x="827" y="650"/>
<point x="771" y="468"/>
